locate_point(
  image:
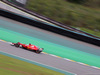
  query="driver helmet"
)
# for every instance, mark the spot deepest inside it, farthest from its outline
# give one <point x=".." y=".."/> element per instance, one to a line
<point x="29" y="43"/>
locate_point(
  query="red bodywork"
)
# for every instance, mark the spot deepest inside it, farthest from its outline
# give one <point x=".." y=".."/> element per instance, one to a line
<point x="30" y="46"/>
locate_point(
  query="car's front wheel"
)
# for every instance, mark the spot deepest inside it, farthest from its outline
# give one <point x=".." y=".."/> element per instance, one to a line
<point x="37" y="51"/>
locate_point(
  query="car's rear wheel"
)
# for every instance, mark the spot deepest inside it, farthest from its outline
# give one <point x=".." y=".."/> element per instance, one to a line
<point x="16" y="45"/>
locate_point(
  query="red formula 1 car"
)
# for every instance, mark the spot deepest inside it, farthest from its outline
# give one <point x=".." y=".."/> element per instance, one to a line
<point x="29" y="47"/>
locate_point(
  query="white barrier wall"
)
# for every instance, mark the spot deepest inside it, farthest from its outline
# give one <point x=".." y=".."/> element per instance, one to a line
<point x="22" y="1"/>
<point x="15" y="10"/>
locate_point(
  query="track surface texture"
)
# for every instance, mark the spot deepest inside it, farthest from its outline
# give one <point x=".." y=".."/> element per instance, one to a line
<point x="46" y="59"/>
<point x="48" y="36"/>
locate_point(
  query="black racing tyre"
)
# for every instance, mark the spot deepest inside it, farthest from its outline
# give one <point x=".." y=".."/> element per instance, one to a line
<point x="37" y="51"/>
<point x="16" y="45"/>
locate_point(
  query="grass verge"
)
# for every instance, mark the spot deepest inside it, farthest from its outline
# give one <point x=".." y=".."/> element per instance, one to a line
<point x="11" y="66"/>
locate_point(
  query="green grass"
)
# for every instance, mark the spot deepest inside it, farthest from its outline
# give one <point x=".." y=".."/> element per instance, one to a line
<point x="11" y="66"/>
<point x="71" y="14"/>
<point x="90" y="31"/>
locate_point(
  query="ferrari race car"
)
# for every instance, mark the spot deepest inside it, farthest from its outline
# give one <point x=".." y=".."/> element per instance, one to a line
<point x="29" y="47"/>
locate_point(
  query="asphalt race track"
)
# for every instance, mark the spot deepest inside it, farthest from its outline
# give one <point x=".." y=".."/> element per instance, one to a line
<point x="50" y="60"/>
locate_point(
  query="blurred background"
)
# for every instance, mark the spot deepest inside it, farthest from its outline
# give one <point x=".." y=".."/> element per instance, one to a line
<point x="81" y="14"/>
